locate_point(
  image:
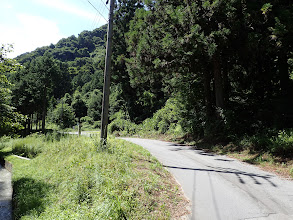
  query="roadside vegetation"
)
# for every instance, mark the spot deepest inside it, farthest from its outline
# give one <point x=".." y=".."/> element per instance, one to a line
<point x="213" y="74"/>
<point x="70" y="177"/>
<point x="271" y="149"/>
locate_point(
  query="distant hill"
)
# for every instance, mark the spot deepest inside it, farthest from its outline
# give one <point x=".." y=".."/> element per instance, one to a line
<point x="68" y="49"/>
<point x="83" y="55"/>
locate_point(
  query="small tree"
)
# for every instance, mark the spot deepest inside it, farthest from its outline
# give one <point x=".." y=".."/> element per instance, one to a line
<point x="10" y="121"/>
<point x="63" y="115"/>
<point x="79" y="106"/>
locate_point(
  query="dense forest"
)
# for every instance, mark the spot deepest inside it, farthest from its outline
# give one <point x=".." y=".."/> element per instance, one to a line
<point x="217" y="69"/>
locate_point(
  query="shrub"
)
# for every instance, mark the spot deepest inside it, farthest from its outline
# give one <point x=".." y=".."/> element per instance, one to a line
<point x="62" y="115"/>
<point x="283" y="143"/>
<point x="165" y="120"/>
<point x="121" y="124"/>
<point x="3" y="141"/>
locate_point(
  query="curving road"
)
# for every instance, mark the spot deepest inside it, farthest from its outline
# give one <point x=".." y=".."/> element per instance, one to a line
<point x="221" y="188"/>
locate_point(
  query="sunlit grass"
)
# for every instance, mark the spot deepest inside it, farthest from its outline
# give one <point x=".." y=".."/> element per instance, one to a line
<point x="73" y="178"/>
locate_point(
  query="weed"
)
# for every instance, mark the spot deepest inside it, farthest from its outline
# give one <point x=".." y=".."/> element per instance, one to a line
<point x="282" y="144"/>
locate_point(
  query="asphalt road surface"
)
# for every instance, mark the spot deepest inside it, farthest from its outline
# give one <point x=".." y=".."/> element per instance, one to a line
<point x="221" y="188"/>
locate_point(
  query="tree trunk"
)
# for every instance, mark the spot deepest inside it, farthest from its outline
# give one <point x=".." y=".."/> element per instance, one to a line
<point x="36" y="121"/>
<point x="44" y="113"/>
<point x="28" y="124"/>
<point x="207" y="94"/>
<point x="44" y="120"/>
<point x="283" y="72"/>
<point x="32" y="117"/>
<point x="218" y="79"/>
<point x="226" y="84"/>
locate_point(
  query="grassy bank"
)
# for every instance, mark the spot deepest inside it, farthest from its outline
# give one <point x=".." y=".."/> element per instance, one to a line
<point x="72" y="178"/>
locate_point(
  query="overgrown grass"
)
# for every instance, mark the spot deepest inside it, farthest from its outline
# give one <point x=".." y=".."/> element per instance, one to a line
<point x="73" y="178"/>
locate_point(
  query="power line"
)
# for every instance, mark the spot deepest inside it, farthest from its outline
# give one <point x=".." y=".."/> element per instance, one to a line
<point x="105" y="4"/>
<point x="99" y="18"/>
<point x="99" y="14"/>
<point x="97" y="10"/>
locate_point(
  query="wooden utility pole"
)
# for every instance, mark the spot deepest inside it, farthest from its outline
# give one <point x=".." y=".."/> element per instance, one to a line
<point x="107" y="77"/>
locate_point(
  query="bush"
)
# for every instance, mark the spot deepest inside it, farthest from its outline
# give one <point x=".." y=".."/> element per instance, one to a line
<point x="97" y="124"/>
<point x="62" y="115"/>
<point x="165" y="120"/>
<point x="3" y="141"/>
<point x="87" y="120"/>
<point x="283" y="143"/>
<point x="121" y="124"/>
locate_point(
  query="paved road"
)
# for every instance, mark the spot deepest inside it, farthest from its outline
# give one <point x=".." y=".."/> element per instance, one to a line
<point x="222" y="188"/>
<point x="5" y="194"/>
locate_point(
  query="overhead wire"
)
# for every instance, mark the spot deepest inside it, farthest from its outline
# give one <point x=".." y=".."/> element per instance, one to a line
<point x="97" y="10"/>
<point x="98" y="18"/>
<point x="103" y="11"/>
<point x="105" y="4"/>
<point x="100" y="10"/>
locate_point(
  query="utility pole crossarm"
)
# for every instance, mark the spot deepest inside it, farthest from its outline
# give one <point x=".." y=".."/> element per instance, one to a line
<point x="107" y="77"/>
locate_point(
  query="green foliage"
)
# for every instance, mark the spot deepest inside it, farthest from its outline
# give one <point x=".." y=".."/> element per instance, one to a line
<point x="87" y="120"/>
<point x="139" y="102"/>
<point x="226" y="61"/>
<point x="282" y="144"/>
<point x="10" y="121"/>
<point x="89" y="124"/>
<point x="94" y="104"/>
<point x="62" y="115"/>
<point x="278" y="143"/>
<point x="266" y="8"/>
<point x="121" y="124"/>
<point x="79" y="106"/>
<point x="29" y="147"/>
<point x="74" y="63"/>
<point x="165" y="120"/>
<point x="228" y="65"/>
<point x="70" y="179"/>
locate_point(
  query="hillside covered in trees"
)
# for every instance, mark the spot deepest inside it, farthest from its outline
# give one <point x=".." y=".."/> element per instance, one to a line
<point x="211" y="69"/>
<point x="60" y="83"/>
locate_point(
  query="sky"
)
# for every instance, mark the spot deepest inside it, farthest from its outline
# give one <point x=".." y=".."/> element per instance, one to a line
<point x="29" y="24"/>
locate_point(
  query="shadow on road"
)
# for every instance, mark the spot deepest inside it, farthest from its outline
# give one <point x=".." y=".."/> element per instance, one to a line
<point x="236" y="172"/>
<point x="224" y="160"/>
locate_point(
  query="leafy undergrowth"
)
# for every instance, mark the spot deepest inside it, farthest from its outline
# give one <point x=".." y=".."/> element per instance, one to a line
<point x="73" y="178"/>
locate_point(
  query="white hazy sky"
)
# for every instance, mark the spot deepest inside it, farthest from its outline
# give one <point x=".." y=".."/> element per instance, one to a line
<point x="28" y="24"/>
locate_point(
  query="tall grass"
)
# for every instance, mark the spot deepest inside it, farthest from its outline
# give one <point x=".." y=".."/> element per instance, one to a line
<point x="73" y="178"/>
